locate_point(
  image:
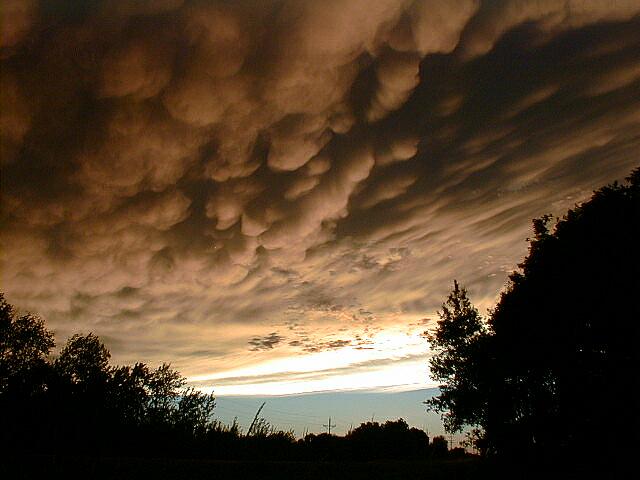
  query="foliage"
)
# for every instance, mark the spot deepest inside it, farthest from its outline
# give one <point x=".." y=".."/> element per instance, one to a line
<point x="439" y="446"/>
<point x="557" y="362"/>
<point x="392" y="439"/>
<point x="78" y="401"/>
<point x="127" y="392"/>
<point x="84" y="361"/>
<point x="194" y="410"/>
<point x="24" y="346"/>
<point x="457" y="362"/>
<point x="567" y="326"/>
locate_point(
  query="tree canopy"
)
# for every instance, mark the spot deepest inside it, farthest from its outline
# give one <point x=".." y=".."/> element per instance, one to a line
<point x="455" y="344"/>
<point x="24" y="345"/>
<point x="76" y="401"/>
<point x="557" y="361"/>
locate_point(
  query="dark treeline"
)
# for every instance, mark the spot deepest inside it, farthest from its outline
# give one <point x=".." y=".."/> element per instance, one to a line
<point x="551" y="375"/>
<point x="76" y="403"/>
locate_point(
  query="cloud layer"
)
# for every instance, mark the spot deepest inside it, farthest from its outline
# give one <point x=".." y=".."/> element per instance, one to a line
<point x="219" y="183"/>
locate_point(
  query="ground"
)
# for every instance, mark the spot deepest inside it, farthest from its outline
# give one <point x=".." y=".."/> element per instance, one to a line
<point x="160" y="469"/>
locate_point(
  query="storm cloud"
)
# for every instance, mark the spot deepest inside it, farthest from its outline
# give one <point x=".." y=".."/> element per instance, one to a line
<point x="186" y="176"/>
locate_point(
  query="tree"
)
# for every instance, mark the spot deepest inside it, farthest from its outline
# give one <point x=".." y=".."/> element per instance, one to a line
<point x="24" y="345"/>
<point x="80" y="403"/>
<point x="194" y="411"/>
<point x="392" y="439"/>
<point x="457" y="362"/>
<point x="439" y="447"/>
<point x="558" y="360"/>
<point x="566" y="328"/>
<point x="128" y="394"/>
<point x="163" y="386"/>
<point x="84" y="361"/>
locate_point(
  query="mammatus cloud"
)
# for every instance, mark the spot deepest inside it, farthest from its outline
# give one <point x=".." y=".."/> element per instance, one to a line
<point x="190" y="178"/>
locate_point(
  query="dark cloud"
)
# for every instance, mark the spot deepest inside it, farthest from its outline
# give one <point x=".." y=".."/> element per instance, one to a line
<point x="265" y="343"/>
<point x="326" y="345"/>
<point x="182" y="172"/>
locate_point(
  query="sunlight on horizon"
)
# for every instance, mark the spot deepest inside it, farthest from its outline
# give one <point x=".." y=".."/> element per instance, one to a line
<point x="396" y="359"/>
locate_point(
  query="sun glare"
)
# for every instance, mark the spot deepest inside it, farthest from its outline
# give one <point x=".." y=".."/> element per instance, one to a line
<point x="395" y="358"/>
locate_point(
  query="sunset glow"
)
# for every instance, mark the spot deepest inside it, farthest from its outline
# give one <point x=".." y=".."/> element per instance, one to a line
<point x="394" y="360"/>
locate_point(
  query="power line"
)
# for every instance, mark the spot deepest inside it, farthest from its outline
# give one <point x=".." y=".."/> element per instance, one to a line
<point x="329" y="426"/>
<point x="240" y="404"/>
<point x="306" y="415"/>
<point x="236" y="404"/>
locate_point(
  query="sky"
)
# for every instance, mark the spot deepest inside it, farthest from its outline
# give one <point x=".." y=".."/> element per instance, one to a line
<point x="310" y="412"/>
<point x="276" y="196"/>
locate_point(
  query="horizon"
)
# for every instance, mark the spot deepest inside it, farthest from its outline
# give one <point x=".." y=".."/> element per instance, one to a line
<point x="310" y="412"/>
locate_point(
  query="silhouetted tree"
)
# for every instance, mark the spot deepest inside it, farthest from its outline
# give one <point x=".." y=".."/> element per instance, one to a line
<point x="84" y="361"/>
<point x="163" y="386"/>
<point x="558" y="360"/>
<point x="439" y="447"/>
<point x="458" y="362"/>
<point x="25" y="374"/>
<point x="193" y="411"/>
<point x="128" y="392"/>
<point x="392" y="439"/>
<point x="566" y="328"/>
<point x="79" y="403"/>
<point x="24" y="345"/>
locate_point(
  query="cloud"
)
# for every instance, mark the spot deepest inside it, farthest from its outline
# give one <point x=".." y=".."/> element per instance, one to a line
<point x="16" y="118"/>
<point x="320" y="373"/>
<point x="265" y="343"/>
<point x="330" y="345"/>
<point x="181" y="176"/>
<point x="18" y="17"/>
<point x="140" y="68"/>
<point x="495" y="18"/>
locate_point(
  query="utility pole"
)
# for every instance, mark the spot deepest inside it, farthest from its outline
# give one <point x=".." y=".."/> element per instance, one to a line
<point x="329" y="426"/>
<point x="255" y="419"/>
